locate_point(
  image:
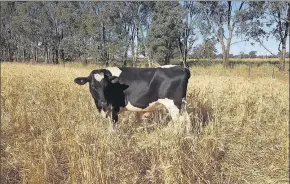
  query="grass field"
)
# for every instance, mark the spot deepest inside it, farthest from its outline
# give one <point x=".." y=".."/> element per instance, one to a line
<point x="52" y="132"/>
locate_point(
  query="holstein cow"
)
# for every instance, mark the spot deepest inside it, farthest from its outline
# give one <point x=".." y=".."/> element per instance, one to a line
<point x="140" y="90"/>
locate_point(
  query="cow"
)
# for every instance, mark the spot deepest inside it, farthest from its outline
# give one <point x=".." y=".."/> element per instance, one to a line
<point x="142" y="90"/>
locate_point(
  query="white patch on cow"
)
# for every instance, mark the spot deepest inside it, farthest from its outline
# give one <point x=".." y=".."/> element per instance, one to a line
<point x="115" y="71"/>
<point x="166" y="66"/>
<point x="169" y="105"/>
<point x="99" y="76"/>
<point x="151" y="107"/>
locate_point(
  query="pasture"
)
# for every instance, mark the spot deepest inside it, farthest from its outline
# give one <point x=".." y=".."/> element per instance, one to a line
<point x="52" y="132"/>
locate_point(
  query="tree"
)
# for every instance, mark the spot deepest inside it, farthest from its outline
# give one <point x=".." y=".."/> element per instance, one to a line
<point x="164" y="31"/>
<point x="209" y="49"/>
<point x="274" y="23"/>
<point x="205" y="50"/>
<point x="138" y="13"/>
<point x="197" y="51"/>
<point x="221" y="19"/>
<point x="280" y="15"/>
<point x="242" y="54"/>
<point x="253" y="54"/>
<point x="187" y="36"/>
<point x="7" y="37"/>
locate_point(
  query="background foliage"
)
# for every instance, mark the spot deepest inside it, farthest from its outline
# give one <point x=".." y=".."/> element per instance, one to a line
<point x="102" y="32"/>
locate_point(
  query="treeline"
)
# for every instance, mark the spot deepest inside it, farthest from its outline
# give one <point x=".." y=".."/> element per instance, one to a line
<point x="211" y="54"/>
<point x="54" y="32"/>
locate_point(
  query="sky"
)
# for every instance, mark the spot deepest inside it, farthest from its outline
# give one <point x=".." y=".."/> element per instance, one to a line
<point x="246" y="47"/>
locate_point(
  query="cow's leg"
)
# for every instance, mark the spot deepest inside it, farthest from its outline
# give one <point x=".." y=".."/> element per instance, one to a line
<point x="183" y="105"/>
<point x="171" y="107"/>
<point x="173" y="111"/>
<point x="115" y="117"/>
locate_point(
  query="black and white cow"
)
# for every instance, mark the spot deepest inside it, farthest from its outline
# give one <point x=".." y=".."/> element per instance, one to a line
<point x="140" y="90"/>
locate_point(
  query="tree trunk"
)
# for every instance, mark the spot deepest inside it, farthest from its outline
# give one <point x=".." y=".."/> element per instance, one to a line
<point x="167" y="58"/>
<point x="62" y="54"/>
<point x="10" y="54"/>
<point x="204" y="50"/>
<point x="17" y="53"/>
<point x="133" y="51"/>
<point x="125" y="56"/>
<point x="183" y="49"/>
<point x="104" y="51"/>
<point x="149" y="60"/>
<point x="35" y="54"/>
<point x="225" y="53"/>
<point x="56" y="56"/>
<point x="53" y="56"/>
<point x="4" y="55"/>
<point x="48" y="56"/>
<point x="226" y="58"/>
<point x="185" y="55"/>
<point x="283" y="62"/>
<point x="136" y="53"/>
<point x="56" y="50"/>
<point x="45" y="54"/>
<point x="23" y="55"/>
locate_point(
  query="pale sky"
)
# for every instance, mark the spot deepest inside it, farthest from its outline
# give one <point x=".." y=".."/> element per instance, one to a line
<point x="246" y="47"/>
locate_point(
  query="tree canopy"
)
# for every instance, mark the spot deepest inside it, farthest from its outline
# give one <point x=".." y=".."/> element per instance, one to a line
<point x="54" y="32"/>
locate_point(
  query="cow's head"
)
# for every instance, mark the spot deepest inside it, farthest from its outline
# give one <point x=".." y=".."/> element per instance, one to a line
<point x="104" y="88"/>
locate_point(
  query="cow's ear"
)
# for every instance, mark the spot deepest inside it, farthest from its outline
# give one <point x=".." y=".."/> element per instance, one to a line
<point x="81" y="80"/>
<point x="113" y="79"/>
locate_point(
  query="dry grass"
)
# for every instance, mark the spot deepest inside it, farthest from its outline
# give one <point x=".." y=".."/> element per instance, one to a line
<point x="52" y="133"/>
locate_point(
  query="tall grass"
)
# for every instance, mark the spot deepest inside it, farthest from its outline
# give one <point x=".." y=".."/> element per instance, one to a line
<point x="52" y="132"/>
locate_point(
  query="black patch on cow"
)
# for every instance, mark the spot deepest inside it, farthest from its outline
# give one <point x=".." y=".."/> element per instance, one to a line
<point x="114" y="92"/>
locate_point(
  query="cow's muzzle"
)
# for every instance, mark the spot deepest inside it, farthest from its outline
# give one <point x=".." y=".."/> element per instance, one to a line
<point x="106" y="109"/>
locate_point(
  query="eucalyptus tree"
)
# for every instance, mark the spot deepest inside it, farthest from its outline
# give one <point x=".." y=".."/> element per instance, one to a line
<point x="221" y="19"/>
<point x="164" y="32"/>
<point x="273" y="23"/>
